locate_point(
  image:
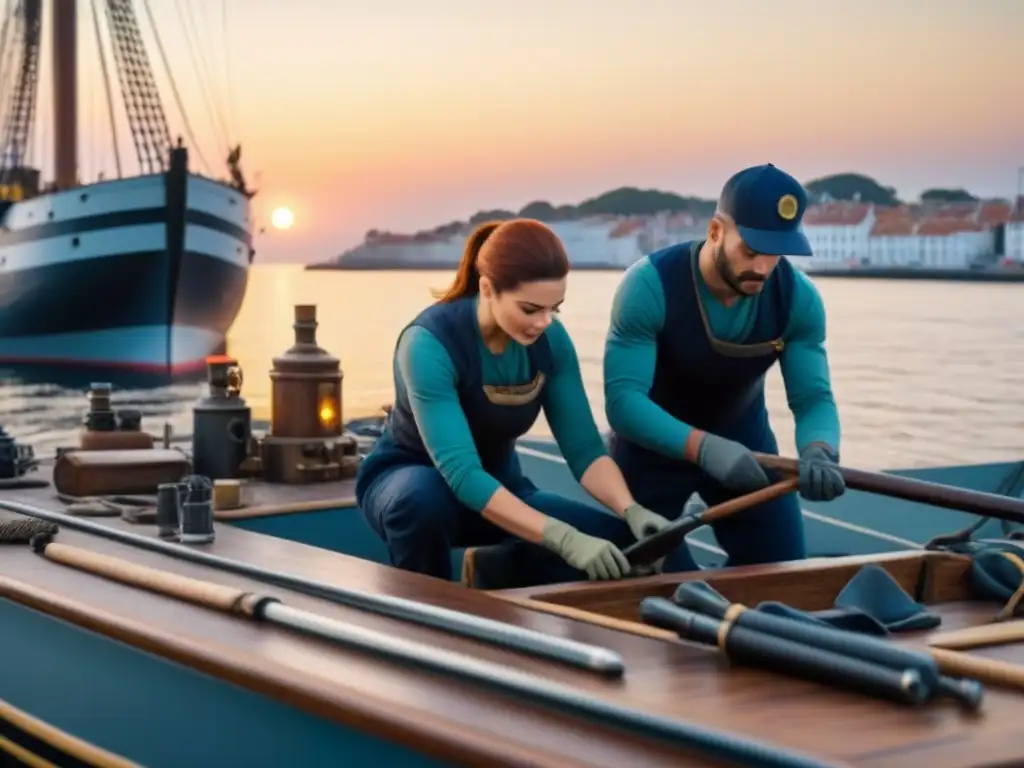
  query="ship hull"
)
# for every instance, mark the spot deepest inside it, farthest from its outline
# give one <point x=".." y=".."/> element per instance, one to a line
<point x="143" y="274"/>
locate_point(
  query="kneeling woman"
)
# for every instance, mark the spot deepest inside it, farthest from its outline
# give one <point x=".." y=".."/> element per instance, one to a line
<point x="472" y="373"/>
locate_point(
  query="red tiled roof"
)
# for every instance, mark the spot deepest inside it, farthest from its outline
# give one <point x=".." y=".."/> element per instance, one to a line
<point x="993" y="212"/>
<point x="894" y="222"/>
<point x="836" y="214"/>
<point x="893" y="225"/>
<point x="939" y="226"/>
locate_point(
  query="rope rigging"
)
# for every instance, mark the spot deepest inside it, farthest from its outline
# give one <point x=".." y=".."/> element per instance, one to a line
<point x="20" y="101"/>
<point x="140" y="95"/>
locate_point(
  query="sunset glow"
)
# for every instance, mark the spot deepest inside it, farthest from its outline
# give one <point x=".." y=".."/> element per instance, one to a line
<point x="401" y="115"/>
<point x="282" y="218"/>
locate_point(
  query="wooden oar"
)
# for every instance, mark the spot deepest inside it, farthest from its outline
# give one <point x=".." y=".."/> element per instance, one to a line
<point x="503" y="679"/>
<point x="1002" y="674"/>
<point x="935" y="494"/>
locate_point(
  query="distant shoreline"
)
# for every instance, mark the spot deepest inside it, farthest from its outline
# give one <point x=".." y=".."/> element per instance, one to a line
<point x="944" y="275"/>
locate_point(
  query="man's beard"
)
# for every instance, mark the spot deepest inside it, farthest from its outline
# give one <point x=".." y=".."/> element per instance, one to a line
<point x="734" y="281"/>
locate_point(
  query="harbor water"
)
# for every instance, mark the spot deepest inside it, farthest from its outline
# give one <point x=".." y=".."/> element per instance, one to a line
<point x="924" y="373"/>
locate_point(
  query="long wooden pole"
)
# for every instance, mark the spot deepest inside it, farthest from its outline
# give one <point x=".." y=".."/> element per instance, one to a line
<point x="935" y="494"/>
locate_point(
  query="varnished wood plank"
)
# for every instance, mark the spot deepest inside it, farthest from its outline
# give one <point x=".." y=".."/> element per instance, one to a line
<point x="260" y="499"/>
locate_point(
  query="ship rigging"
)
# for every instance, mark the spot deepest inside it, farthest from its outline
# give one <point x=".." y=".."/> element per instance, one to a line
<point x="168" y="249"/>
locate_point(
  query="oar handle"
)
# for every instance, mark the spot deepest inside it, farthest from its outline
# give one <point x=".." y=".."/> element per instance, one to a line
<point x="204" y="593"/>
<point x="935" y="494"/>
<point x="660" y="544"/>
<point x="748" y="500"/>
<point x="995" y="672"/>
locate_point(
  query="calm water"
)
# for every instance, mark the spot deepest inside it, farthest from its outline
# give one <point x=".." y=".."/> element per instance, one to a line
<point x="924" y="373"/>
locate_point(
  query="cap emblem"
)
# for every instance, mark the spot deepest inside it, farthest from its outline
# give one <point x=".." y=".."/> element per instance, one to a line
<point x="788" y="207"/>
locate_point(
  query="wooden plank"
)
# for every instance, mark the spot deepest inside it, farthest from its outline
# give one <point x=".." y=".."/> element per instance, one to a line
<point x="261" y="499"/>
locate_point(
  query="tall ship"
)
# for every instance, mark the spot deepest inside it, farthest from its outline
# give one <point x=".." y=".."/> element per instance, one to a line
<point x="143" y="273"/>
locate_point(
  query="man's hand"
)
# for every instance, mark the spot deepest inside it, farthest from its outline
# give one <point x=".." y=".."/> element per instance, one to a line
<point x="820" y="478"/>
<point x="731" y="464"/>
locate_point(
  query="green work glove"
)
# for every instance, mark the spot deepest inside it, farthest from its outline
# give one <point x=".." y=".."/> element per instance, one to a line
<point x="643" y="522"/>
<point x="820" y="478"/>
<point x="731" y="464"/>
<point x="598" y="558"/>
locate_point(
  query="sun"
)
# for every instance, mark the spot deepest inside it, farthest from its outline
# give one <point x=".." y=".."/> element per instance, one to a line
<point x="282" y="218"/>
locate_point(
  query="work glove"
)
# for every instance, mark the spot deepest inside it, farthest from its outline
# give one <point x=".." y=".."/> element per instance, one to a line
<point x="643" y="522"/>
<point x="598" y="558"/>
<point x="820" y="478"/>
<point x="731" y="464"/>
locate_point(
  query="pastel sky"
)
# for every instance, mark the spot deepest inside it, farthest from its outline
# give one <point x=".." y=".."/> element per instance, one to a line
<point x="402" y="114"/>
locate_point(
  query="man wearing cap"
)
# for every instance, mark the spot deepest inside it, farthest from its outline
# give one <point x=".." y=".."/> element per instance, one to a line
<point x="694" y="329"/>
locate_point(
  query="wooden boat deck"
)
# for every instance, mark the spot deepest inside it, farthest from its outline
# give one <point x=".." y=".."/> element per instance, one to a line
<point x="860" y="730"/>
<point x="466" y="725"/>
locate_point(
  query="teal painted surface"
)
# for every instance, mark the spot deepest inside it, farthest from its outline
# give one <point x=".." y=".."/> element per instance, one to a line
<point x="163" y="715"/>
<point x="337" y="530"/>
<point x="855" y="524"/>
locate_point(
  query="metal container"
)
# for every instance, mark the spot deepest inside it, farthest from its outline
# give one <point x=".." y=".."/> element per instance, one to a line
<point x="221" y="422"/>
<point x="305" y="385"/>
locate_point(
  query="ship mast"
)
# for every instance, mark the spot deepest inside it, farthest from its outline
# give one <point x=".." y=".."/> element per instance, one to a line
<point x="65" y="93"/>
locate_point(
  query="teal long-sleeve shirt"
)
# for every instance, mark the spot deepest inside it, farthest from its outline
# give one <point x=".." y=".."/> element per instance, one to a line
<point x="425" y="371"/>
<point x="638" y="314"/>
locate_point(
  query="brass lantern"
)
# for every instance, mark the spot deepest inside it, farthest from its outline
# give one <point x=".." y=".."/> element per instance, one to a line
<point x="305" y="441"/>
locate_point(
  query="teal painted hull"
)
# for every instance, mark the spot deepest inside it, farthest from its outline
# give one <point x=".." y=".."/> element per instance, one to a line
<point x="160" y="714"/>
<point x="855" y="524"/>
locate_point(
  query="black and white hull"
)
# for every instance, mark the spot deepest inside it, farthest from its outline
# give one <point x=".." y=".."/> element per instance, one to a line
<point x="144" y="274"/>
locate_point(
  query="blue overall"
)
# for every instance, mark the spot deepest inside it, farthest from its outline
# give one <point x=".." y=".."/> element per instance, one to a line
<point x="408" y="503"/>
<point x="717" y="387"/>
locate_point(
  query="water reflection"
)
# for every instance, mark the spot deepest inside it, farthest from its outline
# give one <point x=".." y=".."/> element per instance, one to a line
<point x="44" y="406"/>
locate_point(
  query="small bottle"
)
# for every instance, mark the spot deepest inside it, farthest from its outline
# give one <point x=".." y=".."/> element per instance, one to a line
<point x="196" y="511"/>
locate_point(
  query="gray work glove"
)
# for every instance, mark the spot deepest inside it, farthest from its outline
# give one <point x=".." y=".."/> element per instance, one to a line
<point x="731" y="464"/>
<point x="598" y="558"/>
<point x="820" y="478"/>
<point x="643" y="522"/>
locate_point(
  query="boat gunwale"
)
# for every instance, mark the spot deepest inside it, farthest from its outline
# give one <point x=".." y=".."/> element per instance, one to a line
<point x="571" y="594"/>
<point x="384" y="718"/>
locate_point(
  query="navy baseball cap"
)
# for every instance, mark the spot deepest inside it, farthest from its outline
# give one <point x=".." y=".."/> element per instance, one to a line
<point x="767" y="205"/>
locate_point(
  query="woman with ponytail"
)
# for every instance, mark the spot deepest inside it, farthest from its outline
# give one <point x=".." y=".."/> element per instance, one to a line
<point x="472" y="374"/>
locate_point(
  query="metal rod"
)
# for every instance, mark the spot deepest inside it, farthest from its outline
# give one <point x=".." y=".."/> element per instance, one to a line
<point x="497" y="677"/>
<point x="592" y="658"/>
<point x="534" y="689"/>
